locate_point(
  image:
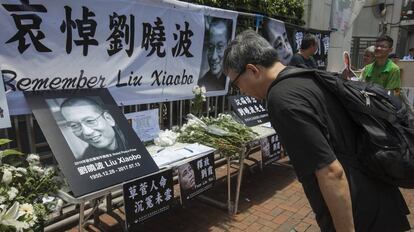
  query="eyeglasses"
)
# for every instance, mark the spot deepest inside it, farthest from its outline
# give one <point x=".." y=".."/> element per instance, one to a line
<point x="382" y="46"/>
<point x="234" y="82"/>
<point x="76" y="127"/>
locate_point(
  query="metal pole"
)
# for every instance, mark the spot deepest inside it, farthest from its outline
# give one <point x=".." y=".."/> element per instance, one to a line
<point x="181" y="113"/>
<point x="229" y="206"/>
<point x="208" y="106"/>
<point x="170" y="114"/>
<point x="81" y="215"/>
<point x="109" y="203"/>
<point x="30" y="133"/>
<point x="215" y="106"/>
<point x="239" y="179"/>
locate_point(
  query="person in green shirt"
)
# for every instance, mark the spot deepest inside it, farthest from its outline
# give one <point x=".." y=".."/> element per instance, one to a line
<point x="383" y="71"/>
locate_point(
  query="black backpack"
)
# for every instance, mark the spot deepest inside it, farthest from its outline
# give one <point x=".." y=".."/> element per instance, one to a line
<point x="387" y="125"/>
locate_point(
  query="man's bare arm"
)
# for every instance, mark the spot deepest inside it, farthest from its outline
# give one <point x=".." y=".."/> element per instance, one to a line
<point x="335" y="191"/>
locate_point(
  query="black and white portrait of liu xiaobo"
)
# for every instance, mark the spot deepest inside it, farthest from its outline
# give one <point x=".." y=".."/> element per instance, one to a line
<point x="88" y="127"/>
<point x="90" y="138"/>
<point x="218" y="32"/>
<point x="274" y="32"/>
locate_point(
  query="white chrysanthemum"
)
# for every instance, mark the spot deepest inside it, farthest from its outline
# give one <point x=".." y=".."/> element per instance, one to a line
<point x="7" y="176"/>
<point x="33" y="220"/>
<point x="33" y="159"/>
<point x="203" y="89"/>
<point x="204" y="98"/>
<point x="183" y="128"/>
<point x="196" y="90"/>
<point x="49" y="170"/>
<point x="26" y="209"/>
<point x="38" y="169"/>
<point x="2" y="199"/>
<point x="22" y="170"/>
<point x="12" y="193"/>
<point x="166" y="138"/>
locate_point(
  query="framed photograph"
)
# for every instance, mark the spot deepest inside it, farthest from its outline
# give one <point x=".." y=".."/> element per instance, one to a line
<point x="90" y="138"/>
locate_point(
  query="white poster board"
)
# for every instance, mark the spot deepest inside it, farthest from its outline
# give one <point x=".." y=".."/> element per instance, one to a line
<point x="145" y="124"/>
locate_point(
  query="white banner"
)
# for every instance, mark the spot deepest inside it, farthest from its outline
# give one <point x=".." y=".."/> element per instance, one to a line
<point x="344" y="12"/>
<point x="141" y="52"/>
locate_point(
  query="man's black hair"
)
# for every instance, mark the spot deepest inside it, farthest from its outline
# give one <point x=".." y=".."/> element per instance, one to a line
<point x="308" y="41"/>
<point x="387" y="39"/>
<point x="73" y="100"/>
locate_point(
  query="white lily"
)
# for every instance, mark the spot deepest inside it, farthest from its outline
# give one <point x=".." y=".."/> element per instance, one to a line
<point x="9" y="218"/>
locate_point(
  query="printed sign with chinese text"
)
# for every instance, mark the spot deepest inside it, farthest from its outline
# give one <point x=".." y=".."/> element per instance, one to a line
<point x="147" y="197"/>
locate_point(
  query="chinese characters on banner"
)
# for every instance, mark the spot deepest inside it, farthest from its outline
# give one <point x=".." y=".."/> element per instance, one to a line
<point x="196" y="176"/>
<point x="90" y="138"/>
<point x="271" y="150"/>
<point x="147" y="197"/>
<point x="142" y="52"/>
<point x="249" y="110"/>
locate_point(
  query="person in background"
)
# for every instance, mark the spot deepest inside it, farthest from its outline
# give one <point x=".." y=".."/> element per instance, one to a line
<point x="369" y="55"/>
<point x="304" y="58"/>
<point x="367" y="58"/>
<point x="383" y="71"/>
<point x="410" y="55"/>
<point x="394" y="57"/>
<point x="218" y="35"/>
<point x="320" y="136"/>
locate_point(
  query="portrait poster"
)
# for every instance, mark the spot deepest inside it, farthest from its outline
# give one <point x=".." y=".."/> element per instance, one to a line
<point x="90" y="138"/>
<point x="196" y="176"/>
<point x="147" y="197"/>
<point x="248" y="110"/>
<point x="4" y="108"/>
<point x="271" y="149"/>
<point x="219" y="29"/>
<point x="274" y="32"/>
<point x="323" y="40"/>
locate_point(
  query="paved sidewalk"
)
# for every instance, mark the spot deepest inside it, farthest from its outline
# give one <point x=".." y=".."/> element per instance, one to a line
<point x="272" y="200"/>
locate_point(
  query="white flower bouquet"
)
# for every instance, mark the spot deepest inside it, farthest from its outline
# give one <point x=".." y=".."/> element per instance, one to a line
<point x="223" y="133"/>
<point x="26" y="191"/>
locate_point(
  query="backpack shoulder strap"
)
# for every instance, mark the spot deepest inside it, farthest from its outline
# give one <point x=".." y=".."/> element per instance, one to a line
<point x="289" y="72"/>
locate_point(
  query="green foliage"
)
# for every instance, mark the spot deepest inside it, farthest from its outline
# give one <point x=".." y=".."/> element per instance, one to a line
<point x="10" y="156"/>
<point x="290" y="11"/>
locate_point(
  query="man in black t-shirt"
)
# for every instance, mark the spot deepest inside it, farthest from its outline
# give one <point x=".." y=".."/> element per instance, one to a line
<point x="304" y="58"/>
<point x="321" y="140"/>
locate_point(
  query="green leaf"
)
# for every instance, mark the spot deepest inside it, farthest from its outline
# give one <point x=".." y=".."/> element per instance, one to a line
<point x="10" y="152"/>
<point x="4" y="141"/>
